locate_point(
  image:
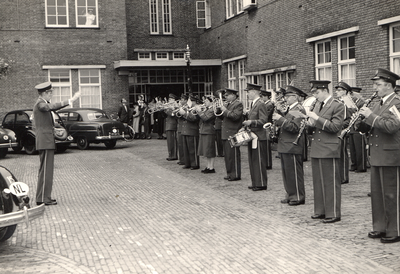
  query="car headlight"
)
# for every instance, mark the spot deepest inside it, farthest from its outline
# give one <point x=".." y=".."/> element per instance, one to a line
<point x="5" y="137"/>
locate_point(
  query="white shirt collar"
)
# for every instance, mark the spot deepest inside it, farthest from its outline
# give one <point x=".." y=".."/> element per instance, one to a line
<point x="386" y="97"/>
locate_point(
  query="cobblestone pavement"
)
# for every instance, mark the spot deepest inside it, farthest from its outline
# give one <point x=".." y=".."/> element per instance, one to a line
<point x="128" y="210"/>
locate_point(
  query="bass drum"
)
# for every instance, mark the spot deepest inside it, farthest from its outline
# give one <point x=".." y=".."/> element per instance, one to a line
<point x="6" y="205"/>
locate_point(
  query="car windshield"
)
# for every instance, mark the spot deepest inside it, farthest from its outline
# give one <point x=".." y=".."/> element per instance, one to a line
<point x="96" y="115"/>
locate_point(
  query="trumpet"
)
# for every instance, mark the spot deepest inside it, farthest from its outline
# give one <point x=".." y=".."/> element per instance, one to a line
<point x="355" y="117"/>
<point x="163" y="106"/>
<point x="194" y="110"/>
<point x="218" y="103"/>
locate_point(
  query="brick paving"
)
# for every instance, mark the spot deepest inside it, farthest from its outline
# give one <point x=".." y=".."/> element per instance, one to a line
<point x="128" y="210"/>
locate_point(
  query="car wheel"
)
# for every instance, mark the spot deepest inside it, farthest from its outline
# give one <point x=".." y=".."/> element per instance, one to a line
<point x="62" y="148"/>
<point x="3" y="152"/>
<point x="30" y="146"/>
<point x="6" y="206"/>
<point x="82" y="143"/>
<point x="110" y="144"/>
<point x="18" y="148"/>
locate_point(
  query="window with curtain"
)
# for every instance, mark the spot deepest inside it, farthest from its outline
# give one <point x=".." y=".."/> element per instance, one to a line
<point x="61" y="84"/>
<point x="323" y="59"/>
<point x="347" y="59"/>
<point x="90" y="87"/>
<point x="57" y="13"/>
<point x="395" y="48"/>
<point x="232" y="75"/>
<point x="86" y="13"/>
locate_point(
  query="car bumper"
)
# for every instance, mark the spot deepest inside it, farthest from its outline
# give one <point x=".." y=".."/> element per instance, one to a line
<point x="21" y="216"/>
<point x="9" y="144"/>
<point x="109" y="137"/>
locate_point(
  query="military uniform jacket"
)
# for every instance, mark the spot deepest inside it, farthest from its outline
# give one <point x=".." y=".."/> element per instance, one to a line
<point x="43" y="123"/>
<point x="324" y="139"/>
<point x="258" y="115"/>
<point x="359" y="103"/>
<point x="218" y="123"/>
<point x="190" y="124"/>
<point x="384" y="138"/>
<point x="289" y="129"/>
<point x="232" y="119"/>
<point x="207" y="121"/>
<point x="171" y="122"/>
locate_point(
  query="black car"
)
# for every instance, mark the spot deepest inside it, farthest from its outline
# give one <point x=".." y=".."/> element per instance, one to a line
<point x="92" y="125"/>
<point x="20" y="121"/>
<point x="7" y="140"/>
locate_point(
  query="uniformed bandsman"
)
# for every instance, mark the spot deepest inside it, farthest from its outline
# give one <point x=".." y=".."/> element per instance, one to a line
<point x="383" y="123"/>
<point x="257" y="148"/>
<point x="266" y="97"/>
<point x="182" y="103"/>
<point x="232" y="118"/>
<point x="291" y="146"/>
<point x="171" y="126"/>
<point x="326" y="122"/>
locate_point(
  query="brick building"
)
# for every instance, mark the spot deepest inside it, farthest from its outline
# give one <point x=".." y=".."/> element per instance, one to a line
<point x="136" y="47"/>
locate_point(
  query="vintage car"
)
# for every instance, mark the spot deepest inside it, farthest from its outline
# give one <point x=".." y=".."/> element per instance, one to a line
<point x="20" y="122"/>
<point x="14" y="204"/>
<point x="7" y="139"/>
<point x="92" y="125"/>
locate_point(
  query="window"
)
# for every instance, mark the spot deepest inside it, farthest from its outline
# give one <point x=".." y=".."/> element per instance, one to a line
<point x="144" y="56"/>
<point x="153" y="16"/>
<point x="57" y="13"/>
<point x="280" y="81"/>
<point x="90" y="87"/>
<point x="61" y="84"/>
<point x="239" y="6"/>
<point x="289" y="77"/>
<point x="166" y="10"/>
<point x="346" y="60"/>
<point x="395" y="48"/>
<point x="242" y="80"/>
<point x="203" y="14"/>
<point x="323" y="60"/>
<point x="269" y="82"/>
<point x="233" y="7"/>
<point x="231" y="75"/>
<point x="179" y="56"/>
<point x="86" y="13"/>
<point x="161" y="56"/>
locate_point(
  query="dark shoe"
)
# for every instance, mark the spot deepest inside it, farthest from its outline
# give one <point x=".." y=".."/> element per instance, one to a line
<point x="220" y="155"/>
<point x="53" y="200"/>
<point x="360" y="171"/>
<point x="234" y="179"/>
<point x="269" y="167"/>
<point x="353" y="169"/>
<point x="171" y="159"/>
<point x="210" y="170"/>
<point x="285" y="201"/>
<point x="295" y="203"/>
<point x="204" y="170"/>
<point x="389" y="240"/>
<point x="47" y="203"/>
<point x="227" y="178"/>
<point x="345" y="182"/>
<point x="376" y="234"/>
<point x="250" y="187"/>
<point x="186" y="167"/>
<point x="331" y="220"/>
<point x="258" y="188"/>
<point x="194" y="167"/>
<point x="318" y="216"/>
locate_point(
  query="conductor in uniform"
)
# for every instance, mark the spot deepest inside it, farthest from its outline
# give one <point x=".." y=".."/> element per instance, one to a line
<point x="326" y="122"/>
<point x="232" y="118"/>
<point x="257" y="148"/>
<point x="45" y="144"/>
<point x="383" y="123"/>
<point x="291" y="146"/>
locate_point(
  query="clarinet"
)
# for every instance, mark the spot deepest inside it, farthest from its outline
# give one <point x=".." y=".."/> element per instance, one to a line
<point x="354" y="118"/>
<point x="303" y="125"/>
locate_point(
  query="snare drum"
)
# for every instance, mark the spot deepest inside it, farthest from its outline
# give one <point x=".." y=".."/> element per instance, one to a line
<point x="240" y="138"/>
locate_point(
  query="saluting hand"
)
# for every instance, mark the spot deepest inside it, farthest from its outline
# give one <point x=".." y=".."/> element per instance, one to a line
<point x="76" y="96"/>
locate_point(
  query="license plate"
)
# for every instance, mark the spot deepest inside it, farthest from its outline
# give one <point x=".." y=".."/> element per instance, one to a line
<point x="114" y="132"/>
<point x="19" y="189"/>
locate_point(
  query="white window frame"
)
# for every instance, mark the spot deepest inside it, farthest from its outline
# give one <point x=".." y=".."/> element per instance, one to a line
<point x="350" y="63"/>
<point x="242" y="80"/>
<point x="57" y="25"/>
<point x="143" y="57"/>
<point x="175" y="57"/>
<point x="160" y="57"/>
<point x="154" y="15"/>
<point x="323" y="66"/>
<point x="239" y="6"/>
<point x="229" y="8"/>
<point x="81" y="88"/>
<point x="57" y="96"/>
<point x="166" y="16"/>
<point x="78" y="13"/>
<point x="289" y="77"/>
<point x="394" y="56"/>
<point x="232" y="75"/>
<point x="199" y="14"/>
<point x="279" y="80"/>
<point x="269" y="82"/>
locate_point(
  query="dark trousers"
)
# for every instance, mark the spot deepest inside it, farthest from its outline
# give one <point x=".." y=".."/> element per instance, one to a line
<point x="268" y="151"/>
<point x="344" y="161"/>
<point x="258" y="163"/>
<point x="358" y="152"/>
<point x="293" y="176"/>
<point x="172" y="144"/>
<point x="327" y="186"/>
<point x="190" y="146"/>
<point x="45" y="178"/>
<point x="180" y="148"/>
<point x="232" y="160"/>
<point x="218" y="140"/>
<point x="305" y="151"/>
<point x="385" y="199"/>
